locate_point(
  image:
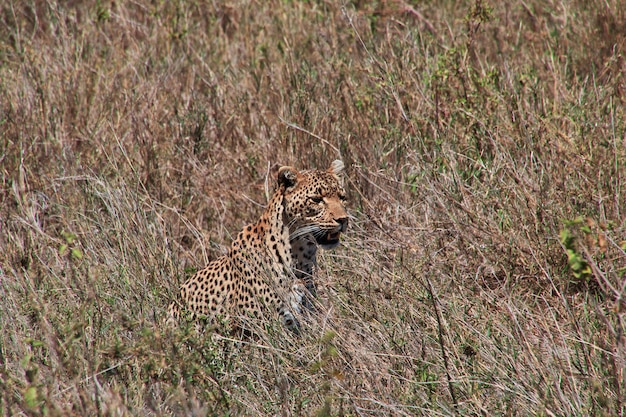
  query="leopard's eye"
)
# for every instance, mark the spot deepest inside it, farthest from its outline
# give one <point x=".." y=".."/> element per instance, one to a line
<point x="316" y="199"/>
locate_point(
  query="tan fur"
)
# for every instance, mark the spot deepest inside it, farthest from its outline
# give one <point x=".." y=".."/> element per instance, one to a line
<point x="270" y="265"/>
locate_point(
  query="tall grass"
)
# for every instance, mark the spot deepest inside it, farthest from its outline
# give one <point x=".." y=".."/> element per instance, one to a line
<point x="483" y="272"/>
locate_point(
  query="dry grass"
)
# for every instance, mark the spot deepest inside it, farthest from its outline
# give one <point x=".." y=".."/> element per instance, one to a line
<point x="483" y="273"/>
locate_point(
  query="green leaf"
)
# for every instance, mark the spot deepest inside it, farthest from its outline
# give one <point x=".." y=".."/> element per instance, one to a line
<point x="76" y="254"/>
<point x="30" y="397"/>
<point x="25" y="361"/>
<point x="34" y="342"/>
<point x="566" y="238"/>
<point x="328" y="336"/>
<point x="332" y="352"/>
<point x="69" y="237"/>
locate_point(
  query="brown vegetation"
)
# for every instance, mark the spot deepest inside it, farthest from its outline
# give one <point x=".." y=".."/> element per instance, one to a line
<point x="483" y="271"/>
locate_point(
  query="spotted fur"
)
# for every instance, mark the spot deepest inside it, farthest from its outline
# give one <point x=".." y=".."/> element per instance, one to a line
<point x="271" y="264"/>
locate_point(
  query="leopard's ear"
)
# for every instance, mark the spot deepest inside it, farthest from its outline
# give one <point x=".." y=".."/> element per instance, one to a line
<point x="336" y="167"/>
<point x="287" y="176"/>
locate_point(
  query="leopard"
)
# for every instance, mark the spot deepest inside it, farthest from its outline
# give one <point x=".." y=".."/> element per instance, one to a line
<point x="270" y="266"/>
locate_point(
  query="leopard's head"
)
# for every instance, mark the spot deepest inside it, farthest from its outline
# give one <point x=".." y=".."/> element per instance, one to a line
<point x="314" y="203"/>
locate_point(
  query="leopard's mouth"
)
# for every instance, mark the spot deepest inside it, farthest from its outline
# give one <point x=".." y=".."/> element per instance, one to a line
<point x="329" y="240"/>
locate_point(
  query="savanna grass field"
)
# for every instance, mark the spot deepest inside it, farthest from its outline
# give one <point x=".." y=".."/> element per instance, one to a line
<point x="483" y="271"/>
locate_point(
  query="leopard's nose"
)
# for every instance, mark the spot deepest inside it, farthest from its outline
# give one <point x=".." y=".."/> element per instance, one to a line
<point x="343" y="222"/>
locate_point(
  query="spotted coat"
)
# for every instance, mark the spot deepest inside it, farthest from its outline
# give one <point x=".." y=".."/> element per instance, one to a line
<point x="271" y="264"/>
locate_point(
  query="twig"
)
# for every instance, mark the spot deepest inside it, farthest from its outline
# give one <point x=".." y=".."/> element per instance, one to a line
<point x="301" y="129"/>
